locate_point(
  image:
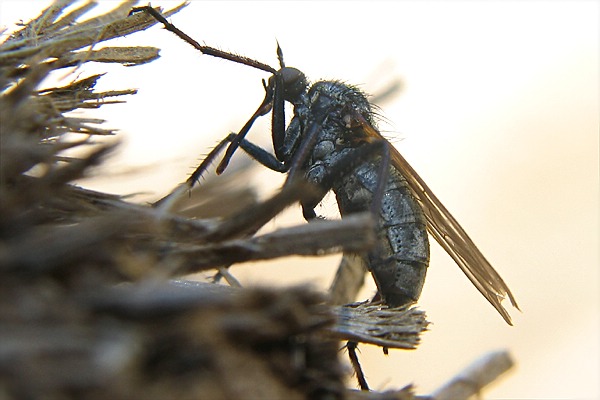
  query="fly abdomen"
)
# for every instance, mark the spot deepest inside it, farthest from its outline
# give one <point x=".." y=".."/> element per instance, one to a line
<point x="400" y="258"/>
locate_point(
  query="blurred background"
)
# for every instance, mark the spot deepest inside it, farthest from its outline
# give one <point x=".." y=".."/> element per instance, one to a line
<point x="498" y="113"/>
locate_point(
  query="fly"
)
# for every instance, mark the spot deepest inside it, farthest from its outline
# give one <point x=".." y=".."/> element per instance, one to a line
<point x="332" y="141"/>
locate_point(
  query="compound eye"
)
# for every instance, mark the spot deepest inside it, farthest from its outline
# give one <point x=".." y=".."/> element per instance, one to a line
<point x="294" y="83"/>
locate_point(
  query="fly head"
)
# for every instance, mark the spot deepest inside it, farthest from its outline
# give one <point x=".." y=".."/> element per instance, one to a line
<point x="294" y="83"/>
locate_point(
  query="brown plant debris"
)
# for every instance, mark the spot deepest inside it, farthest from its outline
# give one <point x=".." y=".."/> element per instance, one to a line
<point x="88" y="305"/>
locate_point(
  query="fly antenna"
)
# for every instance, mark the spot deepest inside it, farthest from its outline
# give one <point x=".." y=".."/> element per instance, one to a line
<point x="280" y="55"/>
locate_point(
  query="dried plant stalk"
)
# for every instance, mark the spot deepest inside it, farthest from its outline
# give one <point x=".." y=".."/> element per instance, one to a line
<point x="473" y="379"/>
<point x="87" y="305"/>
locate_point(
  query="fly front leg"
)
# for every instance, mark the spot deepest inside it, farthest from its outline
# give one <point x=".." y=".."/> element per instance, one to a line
<point x="256" y="152"/>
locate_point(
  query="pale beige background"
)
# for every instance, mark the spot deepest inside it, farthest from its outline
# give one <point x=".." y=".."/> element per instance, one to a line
<point x="499" y="114"/>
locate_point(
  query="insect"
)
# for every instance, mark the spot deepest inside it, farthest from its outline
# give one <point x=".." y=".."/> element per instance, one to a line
<point x="332" y="141"/>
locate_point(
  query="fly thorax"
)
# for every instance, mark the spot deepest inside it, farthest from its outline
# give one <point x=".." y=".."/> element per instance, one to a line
<point x="323" y="149"/>
<point x="317" y="165"/>
<point x="336" y="94"/>
<point x="316" y="172"/>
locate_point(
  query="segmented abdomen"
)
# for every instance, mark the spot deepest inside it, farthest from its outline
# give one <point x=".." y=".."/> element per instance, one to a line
<point x="400" y="259"/>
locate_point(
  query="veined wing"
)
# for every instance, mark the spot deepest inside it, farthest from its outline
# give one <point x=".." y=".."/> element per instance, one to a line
<point x="448" y="232"/>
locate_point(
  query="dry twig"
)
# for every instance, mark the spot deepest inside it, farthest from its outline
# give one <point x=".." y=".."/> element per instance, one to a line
<point x="473" y="379"/>
<point x="87" y="309"/>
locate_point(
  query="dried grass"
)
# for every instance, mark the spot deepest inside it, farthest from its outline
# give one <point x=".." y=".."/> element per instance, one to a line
<point x="88" y="307"/>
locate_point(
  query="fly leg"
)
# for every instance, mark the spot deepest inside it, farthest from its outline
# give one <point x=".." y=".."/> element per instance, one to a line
<point x="368" y="151"/>
<point x="257" y="153"/>
<point x="375" y="148"/>
<point x="360" y="376"/>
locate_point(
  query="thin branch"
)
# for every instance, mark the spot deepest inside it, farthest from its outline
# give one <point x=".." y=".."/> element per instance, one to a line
<point x="319" y="238"/>
<point x="475" y="377"/>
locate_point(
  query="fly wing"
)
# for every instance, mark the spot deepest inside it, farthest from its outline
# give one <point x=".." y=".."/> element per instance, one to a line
<point x="448" y="232"/>
<point x="453" y="238"/>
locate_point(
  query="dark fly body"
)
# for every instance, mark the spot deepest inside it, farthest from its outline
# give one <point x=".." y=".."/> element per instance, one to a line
<point x="332" y="141"/>
<point x="400" y="258"/>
